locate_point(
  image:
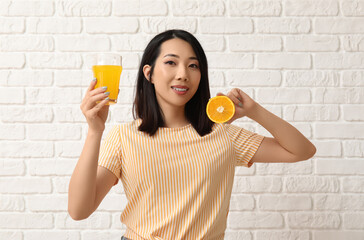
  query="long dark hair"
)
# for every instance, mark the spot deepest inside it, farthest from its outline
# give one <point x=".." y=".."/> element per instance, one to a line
<point x="146" y="106"/>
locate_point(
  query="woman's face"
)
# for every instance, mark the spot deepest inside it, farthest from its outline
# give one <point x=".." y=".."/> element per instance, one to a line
<point x="176" y="74"/>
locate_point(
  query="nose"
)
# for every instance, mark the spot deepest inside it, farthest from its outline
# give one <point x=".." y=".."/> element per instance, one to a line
<point x="182" y="73"/>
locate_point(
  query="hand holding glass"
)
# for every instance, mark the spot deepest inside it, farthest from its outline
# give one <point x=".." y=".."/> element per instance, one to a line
<point x="107" y="71"/>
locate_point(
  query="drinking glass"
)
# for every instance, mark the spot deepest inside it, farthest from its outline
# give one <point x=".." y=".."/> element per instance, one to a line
<point x="107" y="71"/>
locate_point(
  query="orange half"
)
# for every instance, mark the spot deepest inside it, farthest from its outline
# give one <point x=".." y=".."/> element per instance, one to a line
<point x="220" y="109"/>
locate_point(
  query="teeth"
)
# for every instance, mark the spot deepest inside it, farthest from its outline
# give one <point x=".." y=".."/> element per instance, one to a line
<point x="180" y="89"/>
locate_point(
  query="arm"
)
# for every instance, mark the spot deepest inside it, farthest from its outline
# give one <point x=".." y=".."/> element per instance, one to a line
<point x="288" y="144"/>
<point x="89" y="183"/>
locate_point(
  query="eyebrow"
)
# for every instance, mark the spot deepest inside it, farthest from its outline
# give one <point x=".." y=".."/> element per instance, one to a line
<point x="176" y="56"/>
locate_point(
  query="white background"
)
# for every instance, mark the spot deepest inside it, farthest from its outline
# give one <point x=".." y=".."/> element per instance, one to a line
<point x="303" y="60"/>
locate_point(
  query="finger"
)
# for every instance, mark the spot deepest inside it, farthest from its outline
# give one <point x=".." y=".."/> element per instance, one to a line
<point x="235" y="99"/>
<point x="92" y="84"/>
<point x="92" y="100"/>
<point x="220" y="94"/>
<point x="99" y="106"/>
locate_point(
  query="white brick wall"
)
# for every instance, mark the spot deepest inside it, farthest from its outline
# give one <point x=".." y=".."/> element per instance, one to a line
<point x="303" y="60"/>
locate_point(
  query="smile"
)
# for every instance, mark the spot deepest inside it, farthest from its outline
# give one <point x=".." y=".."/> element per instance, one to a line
<point x="180" y="90"/>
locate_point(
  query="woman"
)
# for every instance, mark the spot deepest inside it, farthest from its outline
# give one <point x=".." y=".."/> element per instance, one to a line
<point x="177" y="167"/>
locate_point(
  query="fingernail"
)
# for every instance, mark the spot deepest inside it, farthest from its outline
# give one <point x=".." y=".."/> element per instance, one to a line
<point x="94" y="79"/>
<point x="107" y="93"/>
<point x="107" y="99"/>
<point x="104" y="88"/>
<point x="240" y="104"/>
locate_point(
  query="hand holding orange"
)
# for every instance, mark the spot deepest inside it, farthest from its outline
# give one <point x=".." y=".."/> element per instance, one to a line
<point x="220" y="109"/>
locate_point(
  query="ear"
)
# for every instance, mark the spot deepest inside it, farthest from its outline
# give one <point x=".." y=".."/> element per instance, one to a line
<point x="146" y="71"/>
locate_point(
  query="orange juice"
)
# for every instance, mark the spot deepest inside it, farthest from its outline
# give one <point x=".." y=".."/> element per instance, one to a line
<point x="108" y="76"/>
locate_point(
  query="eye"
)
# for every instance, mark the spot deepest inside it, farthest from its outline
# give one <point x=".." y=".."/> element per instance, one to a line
<point x="170" y="63"/>
<point x="194" y="66"/>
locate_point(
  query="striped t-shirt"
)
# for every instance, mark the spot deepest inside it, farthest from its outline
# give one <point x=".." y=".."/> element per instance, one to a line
<point x="178" y="184"/>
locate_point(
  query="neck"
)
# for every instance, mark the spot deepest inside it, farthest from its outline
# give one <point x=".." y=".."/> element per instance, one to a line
<point x="174" y="117"/>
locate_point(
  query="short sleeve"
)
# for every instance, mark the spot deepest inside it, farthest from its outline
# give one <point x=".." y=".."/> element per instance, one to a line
<point x="245" y="144"/>
<point x="110" y="152"/>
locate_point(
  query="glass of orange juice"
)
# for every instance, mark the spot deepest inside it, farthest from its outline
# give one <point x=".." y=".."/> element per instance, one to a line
<point x="107" y="71"/>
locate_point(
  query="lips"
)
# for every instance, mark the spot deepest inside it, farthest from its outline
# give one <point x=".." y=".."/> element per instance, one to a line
<point x="180" y="90"/>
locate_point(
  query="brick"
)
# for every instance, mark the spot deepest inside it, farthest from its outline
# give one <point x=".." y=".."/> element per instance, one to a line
<point x="23" y="149"/>
<point x="11" y="167"/>
<point x="69" y="114"/>
<point x="113" y="202"/>
<point x="328" y="148"/>
<point x="54" y="25"/>
<point x="225" y="25"/>
<point x="353" y="78"/>
<point x="255" y="8"/>
<point x="157" y="25"/>
<point x="353" y="43"/>
<point x="26" y="114"/>
<point x="284" y="61"/>
<point x="26" y="221"/>
<point x="130" y="42"/>
<point x="11" y="25"/>
<point x="339" y="130"/>
<point x="353" y="112"/>
<point x="311" y="8"/>
<point x="339" y="166"/>
<point x="353" y="148"/>
<point x="240" y="202"/>
<point x="122" y="114"/>
<point x="26" y="44"/>
<point x="312" y="78"/>
<point x="312" y="113"/>
<point x="230" y="60"/>
<point x="339" y="95"/>
<point x="82" y="44"/>
<point x="25" y="185"/>
<point x="283" y="235"/>
<point x="53" y="95"/>
<point x="83" y="8"/>
<point x="103" y="234"/>
<point x="69" y="149"/>
<point x="11" y="95"/>
<point x="352" y="8"/>
<point x="283" y="25"/>
<point x="353" y="184"/>
<point x="126" y="96"/>
<point x="46" y="203"/>
<point x="338" y="60"/>
<point x="216" y="78"/>
<point x="312" y="184"/>
<point x="252" y="220"/>
<point x="339" y="25"/>
<point x="26" y="8"/>
<point x="51" y="167"/>
<point x="312" y="43"/>
<point x="11" y="203"/>
<point x="239" y="234"/>
<point x="140" y="8"/>
<point x="284" y="203"/>
<point x="61" y="184"/>
<point x="55" y="61"/>
<point x="51" y="234"/>
<point x="255" y="43"/>
<point x="11" y="132"/>
<point x="337" y="203"/>
<point x="212" y="43"/>
<point x="314" y="220"/>
<point x="12" y="60"/>
<point x="11" y="235"/>
<point x="198" y="8"/>
<point x="338" y="235"/>
<point x="26" y="78"/>
<point x="112" y="25"/>
<point x="257" y="184"/>
<point x="353" y="221"/>
<point x="283" y="95"/>
<point x="95" y="221"/>
<point x="301" y="168"/>
<point x="53" y="132"/>
<point x="254" y="78"/>
<point x="73" y="78"/>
